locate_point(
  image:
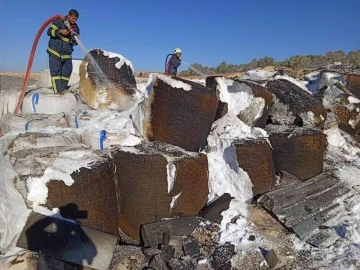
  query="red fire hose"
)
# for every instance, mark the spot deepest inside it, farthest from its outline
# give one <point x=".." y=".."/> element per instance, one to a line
<point x="31" y="59"/>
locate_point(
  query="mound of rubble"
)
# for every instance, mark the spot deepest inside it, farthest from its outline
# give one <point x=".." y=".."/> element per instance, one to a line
<point x="176" y="174"/>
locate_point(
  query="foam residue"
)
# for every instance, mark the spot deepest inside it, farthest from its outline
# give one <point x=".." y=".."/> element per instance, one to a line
<point x="174" y="83"/>
<point x="313" y="80"/>
<point x="171" y="175"/>
<point x="225" y="176"/>
<point x="301" y="84"/>
<point x="342" y="159"/>
<point x="174" y="201"/>
<point x="230" y="127"/>
<point x="328" y="79"/>
<point x="330" y="96"/>
<point x="122" y="61"/>
<point x="200" y="81"/>
<point x="257" y="75"/>
<point x="343" y="142"/>
<point x="61" y="169"/>
<point x="353" y="100"/>
<point x="238" y="96"/>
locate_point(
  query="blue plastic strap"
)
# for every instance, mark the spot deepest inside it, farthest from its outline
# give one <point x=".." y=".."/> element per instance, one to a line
<point x="27" y="124"/>
<point x="102" y="139"/>
<point x="35" y="101"/>
<point x="76" y="119"/>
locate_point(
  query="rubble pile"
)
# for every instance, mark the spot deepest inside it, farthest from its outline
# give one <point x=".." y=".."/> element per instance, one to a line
<point x="161" y="175"/>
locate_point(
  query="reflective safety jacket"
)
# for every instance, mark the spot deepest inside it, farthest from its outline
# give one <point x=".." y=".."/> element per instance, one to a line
<point x="60" y="46"/>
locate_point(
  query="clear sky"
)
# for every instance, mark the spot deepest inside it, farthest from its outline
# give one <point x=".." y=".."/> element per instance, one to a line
<point x="208" y="32"/>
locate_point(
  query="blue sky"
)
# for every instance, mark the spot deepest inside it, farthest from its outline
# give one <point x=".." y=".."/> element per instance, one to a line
<point x="208" y="32"/>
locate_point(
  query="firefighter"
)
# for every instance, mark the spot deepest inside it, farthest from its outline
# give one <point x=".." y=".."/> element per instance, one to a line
<point x="60" y="48"/>
<point x="174" y="63"/>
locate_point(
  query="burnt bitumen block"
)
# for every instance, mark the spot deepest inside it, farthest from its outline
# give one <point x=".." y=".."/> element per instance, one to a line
<point x="298" y="151"/>
<point x="152" y="234"/>
<point x="112" y="88"/>
<point x="294" y="101"/>
<point x="179" y="116"/>
<point x="213" y="211"/>
<point x="142" y="184"/>
<point x="255" y="157"/>
<point x="191" y="246"/>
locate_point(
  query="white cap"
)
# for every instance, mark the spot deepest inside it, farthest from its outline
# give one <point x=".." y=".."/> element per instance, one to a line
<point x="177" y="50"/>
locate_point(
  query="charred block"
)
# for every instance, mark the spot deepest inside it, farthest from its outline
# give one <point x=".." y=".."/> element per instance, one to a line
<point x="191" y="246"/>
<point x="260" y="91"/>
<point x="299" y="102"/>
<point x="353" y="84"/>
<point x="142" y="184"/>
<point x="298" y="151"/>
<point x="181" y="114"/>
<point x="255" y="157"/>
<point x="91" y="199"/>
<point x="348" y="115"/>
<point x="257" y="91"/>
<point x="152" y="234"/>
<point x="221" y="258"/>
<point x="106" y="81"/>
<point x="213" y="211"/>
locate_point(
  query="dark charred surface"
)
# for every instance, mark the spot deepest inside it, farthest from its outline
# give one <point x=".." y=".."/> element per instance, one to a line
<point x="152" y="234"/>
<point x="212" y="84"/>
<point x="222" y="108"/>
<point x="285" y="131"/>
<point x="300" y="153"/>
<point x="353" y="84"/>
<point x="179" y="117"/>
<point x="192" y="183"/>
<point x="257" y="90"/>
<point x="93" y="191"/>
<point x="255" y="157"/>
<point x="123" y="76"/>
<point x="298" y="100"/>
<point x="142" y="188"/>
<point x="221" y="258"/>
<point x="346" y="112"/>
<point x="197" y="87"/>
<point x="213" y="211"/>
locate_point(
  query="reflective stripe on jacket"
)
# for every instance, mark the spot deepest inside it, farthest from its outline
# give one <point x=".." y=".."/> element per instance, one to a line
<point x="60" y="46"/>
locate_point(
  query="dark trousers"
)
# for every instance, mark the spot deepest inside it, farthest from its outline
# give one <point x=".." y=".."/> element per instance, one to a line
<point x="60" y="71"/>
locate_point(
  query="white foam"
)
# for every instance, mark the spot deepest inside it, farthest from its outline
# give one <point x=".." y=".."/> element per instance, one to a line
<point x="301" y="84"/>
<point x="329" y="78"/>
<point x="122" y="61"/>
<point x="225" y="176"/>
<point x="174" y="201"/>
<point x="171" y="175"/>
<point x="174" y="83"/>
<point x="238" y="96"/>
<point x="258" y="75"/>
<point x="353" y="100"/>
<point x="61" y="169"/>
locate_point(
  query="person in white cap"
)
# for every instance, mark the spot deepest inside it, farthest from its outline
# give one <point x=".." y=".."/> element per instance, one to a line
<point x="174" y="63"/>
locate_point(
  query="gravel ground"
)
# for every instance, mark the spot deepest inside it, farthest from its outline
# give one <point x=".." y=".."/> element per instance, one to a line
<point x="7" y="82"/>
